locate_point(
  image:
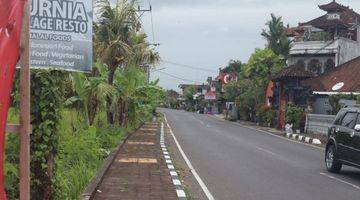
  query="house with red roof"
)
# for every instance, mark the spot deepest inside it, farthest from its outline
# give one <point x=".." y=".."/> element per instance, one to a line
<point x="324" y="60"/>
<point x="327" y="41"/>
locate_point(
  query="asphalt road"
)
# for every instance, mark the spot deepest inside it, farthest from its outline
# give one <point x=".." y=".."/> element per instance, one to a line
<point x="240" y="163"/>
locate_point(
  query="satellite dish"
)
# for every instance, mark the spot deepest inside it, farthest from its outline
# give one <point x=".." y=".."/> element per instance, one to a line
<point x="338" y="86"/>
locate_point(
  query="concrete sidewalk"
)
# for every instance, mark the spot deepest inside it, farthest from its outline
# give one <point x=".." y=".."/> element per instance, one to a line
<point x="139" y="170"/>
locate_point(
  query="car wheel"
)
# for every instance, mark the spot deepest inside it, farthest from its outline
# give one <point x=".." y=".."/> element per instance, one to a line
<point x="332" y="165"/>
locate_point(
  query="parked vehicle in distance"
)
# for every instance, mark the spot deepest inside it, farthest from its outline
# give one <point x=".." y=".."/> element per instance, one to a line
<point x="343" y="146"/>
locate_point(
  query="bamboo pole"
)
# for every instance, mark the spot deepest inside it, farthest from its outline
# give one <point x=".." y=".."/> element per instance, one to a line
<point x="25" y="127"/>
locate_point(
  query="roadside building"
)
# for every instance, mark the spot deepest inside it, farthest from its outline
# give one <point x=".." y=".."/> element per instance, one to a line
<point x="323" y="61"/>
<point x="341" y="80"/>
<point x="183" y="87"/>
<point x="327" y="41"/>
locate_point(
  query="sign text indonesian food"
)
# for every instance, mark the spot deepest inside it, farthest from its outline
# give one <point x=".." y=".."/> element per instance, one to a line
<point x="61" y="34"/>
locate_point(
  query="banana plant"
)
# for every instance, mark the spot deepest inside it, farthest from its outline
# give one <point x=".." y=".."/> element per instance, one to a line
<point x="90" y="92"/>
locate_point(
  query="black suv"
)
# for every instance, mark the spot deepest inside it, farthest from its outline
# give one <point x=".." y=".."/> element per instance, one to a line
<point x="343" y="146"/>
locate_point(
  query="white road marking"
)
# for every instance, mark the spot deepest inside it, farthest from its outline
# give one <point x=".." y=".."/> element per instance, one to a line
<point x="196" y="175"/>
<point x="181" y="193"/>
<point x="174" y="176"/>
<point x="342" y="181"/>
<point x="201" y="122"/>
<point x="173" y="173"/>
<point x="267" y="151"/>
<point x="176" y="182"/>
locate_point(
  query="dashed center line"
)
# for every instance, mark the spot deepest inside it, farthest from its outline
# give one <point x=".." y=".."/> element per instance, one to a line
<point x="267" y="151"/>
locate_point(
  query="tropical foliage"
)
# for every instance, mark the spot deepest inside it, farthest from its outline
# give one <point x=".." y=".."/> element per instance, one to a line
<point x="294" y="115"/>
<point x="249" y="90"/>
<point x="274" y="34"/>
<point x="190" y="101"/>
<point x="78" y="119"/>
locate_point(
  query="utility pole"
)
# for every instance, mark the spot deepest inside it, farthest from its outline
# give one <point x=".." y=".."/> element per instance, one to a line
<point x="143" y="11"/>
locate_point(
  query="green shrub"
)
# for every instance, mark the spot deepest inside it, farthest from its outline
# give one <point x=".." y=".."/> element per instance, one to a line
<point x="264" y="114"/>
<point x="261" y="111"/>
<point x="294" y="115"/>
<point x="334" y="101"/>
<point x="81" y="153"/>
<point x="12" y="158"/>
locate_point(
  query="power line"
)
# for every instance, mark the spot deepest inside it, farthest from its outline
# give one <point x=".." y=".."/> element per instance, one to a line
<point x="179" y="78"/>
<point x="189" y="66"/>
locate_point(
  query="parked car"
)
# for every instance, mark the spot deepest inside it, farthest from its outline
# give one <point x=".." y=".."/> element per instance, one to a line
<point x="343" y="146"/>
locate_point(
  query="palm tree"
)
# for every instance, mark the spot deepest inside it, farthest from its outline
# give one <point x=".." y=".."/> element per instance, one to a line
<point x="277" y="40"/>
<point x="113" y="38"/>
<point x="143" y="53"/>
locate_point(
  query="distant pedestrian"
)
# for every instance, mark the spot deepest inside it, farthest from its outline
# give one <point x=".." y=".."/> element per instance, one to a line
<point x="289" y="128"/>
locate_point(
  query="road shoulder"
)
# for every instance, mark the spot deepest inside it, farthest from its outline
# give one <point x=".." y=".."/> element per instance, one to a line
<point x="192" y="188"/>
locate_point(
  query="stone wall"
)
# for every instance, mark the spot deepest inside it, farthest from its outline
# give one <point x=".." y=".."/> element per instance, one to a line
<point x="348" y="50"/>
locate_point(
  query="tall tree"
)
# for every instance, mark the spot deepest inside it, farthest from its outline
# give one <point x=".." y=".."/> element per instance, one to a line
<point x="234" y="66"/>
<point x="113" y="38"/>
<point x="274" y="34"/>
<point x="143" y="53"/>
<point x="262" y="64"/>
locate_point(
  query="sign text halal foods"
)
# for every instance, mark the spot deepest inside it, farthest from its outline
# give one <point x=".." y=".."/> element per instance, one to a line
<point x="61" y="34"/>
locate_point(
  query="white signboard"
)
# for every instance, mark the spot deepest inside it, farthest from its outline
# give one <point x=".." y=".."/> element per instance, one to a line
<point x="61" y="34"/>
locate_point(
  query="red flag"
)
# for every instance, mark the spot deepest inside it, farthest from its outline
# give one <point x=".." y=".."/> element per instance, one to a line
<point x="11" y="12"/>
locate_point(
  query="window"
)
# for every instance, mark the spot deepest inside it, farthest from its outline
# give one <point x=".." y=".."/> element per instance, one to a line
<point x="329" y="64"/>
<point x="300" y="63"/>
<point x="349" y="120"/>
<point x="314" y="66"/>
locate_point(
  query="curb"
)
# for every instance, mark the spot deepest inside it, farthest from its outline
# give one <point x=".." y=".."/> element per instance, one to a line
<point x="303" y="138"/>
<point x="295" y="137"/>
<point x="174" y="175"/>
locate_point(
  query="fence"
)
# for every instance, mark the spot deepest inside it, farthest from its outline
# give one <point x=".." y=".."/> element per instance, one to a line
<point x="318" y="124"/>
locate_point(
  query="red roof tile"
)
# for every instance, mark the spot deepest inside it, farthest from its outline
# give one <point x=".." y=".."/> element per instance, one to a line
<point x="347" y="73"/>
<point x="293" y="71"/>
<point x="333" y="6"/>
<point x="348" y="17"/>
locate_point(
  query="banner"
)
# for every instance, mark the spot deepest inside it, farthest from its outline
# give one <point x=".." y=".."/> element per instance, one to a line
<point x="61" y="34"/>
<point x="11" y="13"/>
<point x="210" y="96"/>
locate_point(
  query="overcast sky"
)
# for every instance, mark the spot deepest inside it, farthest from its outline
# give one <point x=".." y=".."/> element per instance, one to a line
<point x="208" y="33"/>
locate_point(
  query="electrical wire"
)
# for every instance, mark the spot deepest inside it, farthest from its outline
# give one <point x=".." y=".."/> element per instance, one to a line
<point x="189" y="66"/>
<point x="176" y="77"/>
